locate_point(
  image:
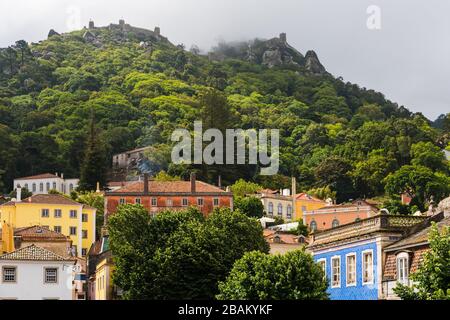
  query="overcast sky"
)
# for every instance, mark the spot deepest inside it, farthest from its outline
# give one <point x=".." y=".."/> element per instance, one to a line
<point x="408" y="59"/>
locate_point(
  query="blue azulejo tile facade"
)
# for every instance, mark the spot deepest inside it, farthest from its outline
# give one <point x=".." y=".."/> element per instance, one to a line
<point x="351" y="271"/>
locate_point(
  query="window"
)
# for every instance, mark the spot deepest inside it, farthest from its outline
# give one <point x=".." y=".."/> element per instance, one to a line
<point x="73" y="214"/>
<point x="34" y="187"/>
<point x="137" y="200"/>
<point x="357" y="219"/>
<point x="57" y="229"/>
<point x="200" y="202"/>
<point x="271" y="208"/>
<point x="44" y="213"/>
<point x="313" y="226"/>
<point x="303" y="208"/>
<point x="84" y="217"/>
<point x="402" y="268"/>
<point x="323" y="264"/>
<point x="351" y="269"/>
<point x="216" y="202"/>
<point x="154" y="202"/>
<point x="54" y="185"/>
<point x="367" y="267"/>
<point x="70" y="187"/>
<point x="335" y="223"/>
<point x="280" y="209"/>
<point x="41" y="187"/>
<point x="73" y="231"/>
<point x="26" y="186"/>
<point x="121" y="201"/>
<point x="47" y="186"/>
<point x="83" y="251"/>
<point x="336" y="272"/>
<point x="289" y="212"/>
<point x="58" y="213"/>
<point x="84" y="234"/>
<point x="184" y="202"/>
<point x="50" y="275"/>
<point x="9" y="274"/>
<point x="169" y="203"/>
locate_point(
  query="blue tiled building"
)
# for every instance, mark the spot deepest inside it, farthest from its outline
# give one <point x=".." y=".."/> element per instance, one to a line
<point x="352" y="255"/>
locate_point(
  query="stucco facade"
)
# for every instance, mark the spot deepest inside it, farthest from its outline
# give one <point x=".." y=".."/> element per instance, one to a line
<point x="42" y="184"/>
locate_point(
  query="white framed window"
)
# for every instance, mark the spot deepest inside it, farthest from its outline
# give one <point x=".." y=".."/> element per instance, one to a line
<point x="280" y="209"/>
<point x="47" y="186"/>
<point x="41" y="187"/>
<point x="84" y="217"/>
<point x="350" y="269"/>
<point x="289" y="212"/>
<point x="9" y="274"/>
<point x="84" y="234"/>
<point x="313" y="226"/>
<point x="54" y="185"/>
<point x="58" y="213"/>
<point x="367" y="267"/>
<point x="73" y="231"/>
<point x="34" y="187"/>
<point x="50" y="275"/>
<point x="216" y="202"/>
<point x="137" y="201"/>
<point x="336" y="272"/>
<point x="184" y="202"/>
<point x="323" y="264"/>
<point x="45" y="213"/>
<point x="403" y="267"/>
<point x="154" y="202"/>
<point x="73" y="214"/>
<point x="122" y="201"/>
<point x="57" y="229"/>
<point x="270" y="208"/>
<point x="169" y="202"/>
<point x="335" y="223"/>
<point x="200" y="202"/>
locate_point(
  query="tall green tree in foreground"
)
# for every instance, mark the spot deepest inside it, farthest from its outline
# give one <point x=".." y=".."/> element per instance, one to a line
<point x="178" y="255"/>
<point x="94" y="166"/>
<point x="432" y="279"/>
<point x="258" y="276"/>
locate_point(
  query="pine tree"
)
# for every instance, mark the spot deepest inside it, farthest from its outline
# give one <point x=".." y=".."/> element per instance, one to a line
<point x="94" y="166"/>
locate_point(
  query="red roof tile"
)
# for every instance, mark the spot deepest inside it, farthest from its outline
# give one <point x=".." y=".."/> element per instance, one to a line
<point x="168" y="187"/>
<point x="39" y="176"/>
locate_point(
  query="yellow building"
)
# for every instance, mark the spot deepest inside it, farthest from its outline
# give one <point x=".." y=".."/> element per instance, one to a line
<point x="56" y="212"/>
<point x="103" y="279"/>
<point x="304" y="202"/>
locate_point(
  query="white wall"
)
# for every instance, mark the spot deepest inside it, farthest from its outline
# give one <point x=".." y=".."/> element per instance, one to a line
<point x="30" y="284"/>
<point x="61" y="184"/>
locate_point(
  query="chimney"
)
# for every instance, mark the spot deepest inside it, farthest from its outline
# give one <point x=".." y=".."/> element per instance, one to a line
<point x="62" y="175"/>
<point x="19" y="193"/>
<point x="193" y="181"/>
<point x="98" y="187"/>
<point x="219" y="183"/>
<point x="56" y="173"/>
<point x="145" y="183"/>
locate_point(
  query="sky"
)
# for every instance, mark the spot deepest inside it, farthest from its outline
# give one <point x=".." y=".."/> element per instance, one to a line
<point x="398" y="47"/>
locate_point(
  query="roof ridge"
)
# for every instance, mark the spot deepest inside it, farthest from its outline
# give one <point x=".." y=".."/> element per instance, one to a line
<point x="15" y="255"/>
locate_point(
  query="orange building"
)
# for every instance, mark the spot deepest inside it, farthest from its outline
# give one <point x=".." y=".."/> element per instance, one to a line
<point x="156" y="196"/>
<point x="305" y="202"/>
<point x="332" y="216"/>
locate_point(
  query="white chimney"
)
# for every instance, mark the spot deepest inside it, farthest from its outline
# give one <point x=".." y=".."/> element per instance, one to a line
<point x="62" y="175"/>
<point x="19" y="193"/>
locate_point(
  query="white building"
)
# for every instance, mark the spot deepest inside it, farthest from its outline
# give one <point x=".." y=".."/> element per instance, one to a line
<point x="43" y="183"/>
<point x="34" y="273"/>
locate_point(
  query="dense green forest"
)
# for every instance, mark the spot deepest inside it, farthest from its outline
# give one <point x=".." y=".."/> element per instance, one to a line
<point x="120" y="90"/>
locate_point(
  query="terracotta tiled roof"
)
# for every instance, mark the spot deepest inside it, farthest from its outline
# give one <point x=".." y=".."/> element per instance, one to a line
<point x="418" y="237"/>
<point x="305" y="196"/>
<point x="285" y="238"/>
<point x="33" y="253"/>
<point x="38" y="232"/>
<point x="168" y="187"/>
<point x="45" y="199"/>
<point x="39" y="176"/>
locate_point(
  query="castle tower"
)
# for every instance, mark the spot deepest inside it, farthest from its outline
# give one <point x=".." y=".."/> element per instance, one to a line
<point x="91" y="24"/>
<point x="283" y="37"/>
<point x="157" y="31"/>
<point x="121" y="22"/>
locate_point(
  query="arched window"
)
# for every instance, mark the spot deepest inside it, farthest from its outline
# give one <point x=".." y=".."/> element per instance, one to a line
<point x="26" y="186"/>
<point x="280" y="209"/>
<point x="357" y="219"/>
<point x="70" y="187"/>
<point x="289" y="211"/>
<point x="270" y="208"/>
<point x="335" y="223"/>
<point x="54" y="185"/>
<point x="313" y="226"/>
<point x="48" y="186"/>
<point x="34" y="187"/>
<point x="41" y="187"/>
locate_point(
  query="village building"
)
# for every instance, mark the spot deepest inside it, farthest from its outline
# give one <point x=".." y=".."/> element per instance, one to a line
<point x="351" y="255"/>
<point x="35" y="273"/>
<point x="43" y="183"/>
<point x="282" y="242"/>
<point x="332" y="216"/>
<point x="156" y="196"/>
<point x="304" y="203"/>
<point x="277" y="203"/>
<point x="53" y="212"/>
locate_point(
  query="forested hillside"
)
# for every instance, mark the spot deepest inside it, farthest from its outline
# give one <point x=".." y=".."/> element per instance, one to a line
<point x="135" y="89"/>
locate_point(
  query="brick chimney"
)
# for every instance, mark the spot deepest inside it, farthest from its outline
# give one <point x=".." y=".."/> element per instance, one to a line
<point x="193" y="182"/>
<point x="145" y="183"/>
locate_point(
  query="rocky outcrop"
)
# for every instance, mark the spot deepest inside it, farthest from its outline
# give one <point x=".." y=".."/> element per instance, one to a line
<point x="312" y="63"/>
<point x="272" y="58"/>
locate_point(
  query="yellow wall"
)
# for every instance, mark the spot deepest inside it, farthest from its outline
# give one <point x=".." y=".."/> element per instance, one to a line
<point x="103" y="281"/>
<point x="309" y="205"/>
<point x="22" y="214"/>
